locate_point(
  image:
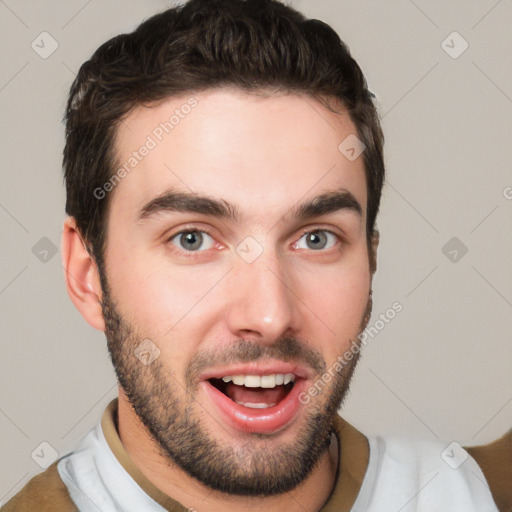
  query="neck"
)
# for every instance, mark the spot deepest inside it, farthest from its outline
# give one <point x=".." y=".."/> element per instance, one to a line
<point x="310" y="495"/>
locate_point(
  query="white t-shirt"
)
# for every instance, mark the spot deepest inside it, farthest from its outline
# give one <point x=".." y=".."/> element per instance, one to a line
<point x="402" y="476"/>
<point x="422" y="476"/>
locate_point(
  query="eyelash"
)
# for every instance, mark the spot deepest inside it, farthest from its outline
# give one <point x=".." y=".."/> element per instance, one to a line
<point x="193" y="254"/>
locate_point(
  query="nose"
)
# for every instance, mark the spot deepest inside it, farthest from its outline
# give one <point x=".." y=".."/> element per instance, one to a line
<point x="262" y="303"/>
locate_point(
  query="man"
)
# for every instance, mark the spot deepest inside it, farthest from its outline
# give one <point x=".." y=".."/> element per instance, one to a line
<point x="224" y="169"/>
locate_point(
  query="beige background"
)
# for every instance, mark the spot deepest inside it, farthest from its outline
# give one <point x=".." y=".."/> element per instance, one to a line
<point x="440" y="369"/>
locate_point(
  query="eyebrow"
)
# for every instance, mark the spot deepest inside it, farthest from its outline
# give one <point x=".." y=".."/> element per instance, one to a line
<point x="175" y="201"/>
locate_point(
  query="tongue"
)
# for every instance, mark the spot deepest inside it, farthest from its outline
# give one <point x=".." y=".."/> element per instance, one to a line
<point x="267" y="396"/>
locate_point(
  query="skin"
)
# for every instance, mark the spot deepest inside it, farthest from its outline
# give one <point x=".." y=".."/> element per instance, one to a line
<point x="263" y="154"/>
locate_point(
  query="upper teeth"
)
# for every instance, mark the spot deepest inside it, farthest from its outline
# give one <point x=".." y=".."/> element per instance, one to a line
<point x="263" y="381"/>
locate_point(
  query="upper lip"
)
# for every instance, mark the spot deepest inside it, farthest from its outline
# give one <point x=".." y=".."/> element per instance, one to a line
<point x="258" y="368"/>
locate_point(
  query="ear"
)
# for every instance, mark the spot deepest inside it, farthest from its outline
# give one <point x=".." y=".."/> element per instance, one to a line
<point x="372" y="251"/>
<point x="81" y="276"/>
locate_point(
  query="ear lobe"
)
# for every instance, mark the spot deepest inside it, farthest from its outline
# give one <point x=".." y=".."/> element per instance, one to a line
<point x="81" y="276"/>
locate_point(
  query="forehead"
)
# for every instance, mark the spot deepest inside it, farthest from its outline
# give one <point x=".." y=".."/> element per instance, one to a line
<point x="263" y="154"/>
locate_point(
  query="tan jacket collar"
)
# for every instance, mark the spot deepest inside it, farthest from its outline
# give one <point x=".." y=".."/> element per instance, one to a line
<point x="353" y="456"/>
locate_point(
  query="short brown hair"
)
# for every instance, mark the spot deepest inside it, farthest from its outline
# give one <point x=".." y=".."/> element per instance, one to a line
<point x="253" y="45"/>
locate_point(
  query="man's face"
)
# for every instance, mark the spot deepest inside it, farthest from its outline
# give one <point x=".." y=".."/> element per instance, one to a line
<point x="236" y="296"/>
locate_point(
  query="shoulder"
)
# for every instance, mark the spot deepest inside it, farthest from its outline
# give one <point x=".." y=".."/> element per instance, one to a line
<point x="45" y="492"/>
<point x="423" y="475"/>
<point x="495" y="461"/>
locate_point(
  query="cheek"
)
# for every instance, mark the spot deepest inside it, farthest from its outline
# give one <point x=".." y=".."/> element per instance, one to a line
<point x="337" y="298"/>
<point x="162" y="306"/>
<point x="162" y="299"/>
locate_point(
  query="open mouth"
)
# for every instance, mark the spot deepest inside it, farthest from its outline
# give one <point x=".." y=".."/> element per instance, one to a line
<point x="255" y="391"/>
<point x="254" y="403"/>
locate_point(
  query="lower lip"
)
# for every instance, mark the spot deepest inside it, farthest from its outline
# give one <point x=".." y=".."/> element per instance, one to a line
<point x="262" y="421"/>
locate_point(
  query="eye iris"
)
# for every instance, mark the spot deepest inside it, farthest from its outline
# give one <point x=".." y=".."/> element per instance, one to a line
<point x="191" y="240"/>
<point x="317" y="240"/>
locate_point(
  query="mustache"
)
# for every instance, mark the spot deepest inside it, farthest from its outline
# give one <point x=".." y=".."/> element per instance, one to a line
<point x="243" y="351"/>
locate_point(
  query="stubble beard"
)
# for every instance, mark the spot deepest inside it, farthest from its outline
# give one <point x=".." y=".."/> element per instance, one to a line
<point x="265" y="467"/>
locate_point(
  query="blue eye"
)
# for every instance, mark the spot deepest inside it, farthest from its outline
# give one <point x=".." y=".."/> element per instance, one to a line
<point x="317" y="240"/>
<point x="192" y="240"/>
